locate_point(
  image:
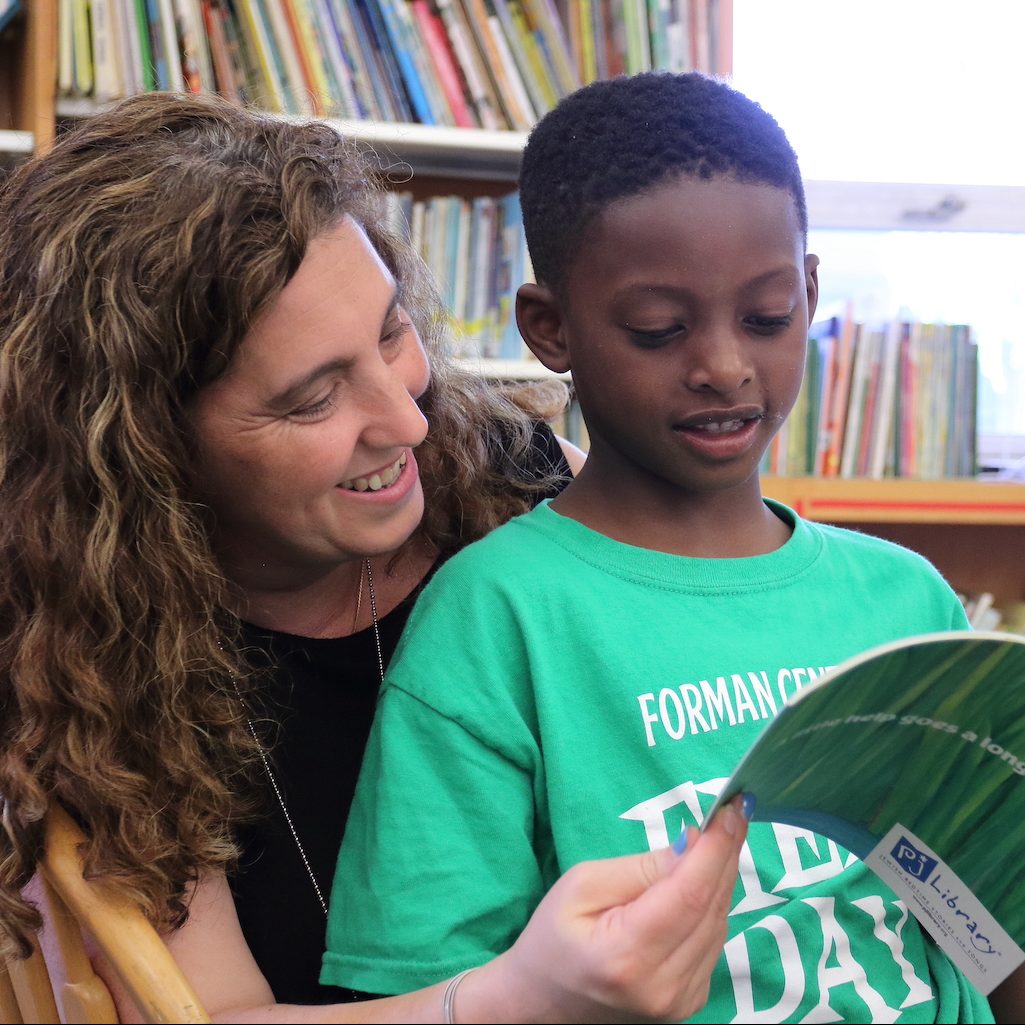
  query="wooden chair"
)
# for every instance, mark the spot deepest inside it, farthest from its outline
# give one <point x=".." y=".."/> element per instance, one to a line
<point x="57" y="983"/>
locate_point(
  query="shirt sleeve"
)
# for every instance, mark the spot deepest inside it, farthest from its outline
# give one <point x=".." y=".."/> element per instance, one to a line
<point x="438" y="869"/>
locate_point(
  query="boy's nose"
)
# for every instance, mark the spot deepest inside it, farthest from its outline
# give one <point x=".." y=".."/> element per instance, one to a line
<point x="717" y="361"/>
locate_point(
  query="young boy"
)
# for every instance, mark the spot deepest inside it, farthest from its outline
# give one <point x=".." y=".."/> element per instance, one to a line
<point x="580" y="683"/>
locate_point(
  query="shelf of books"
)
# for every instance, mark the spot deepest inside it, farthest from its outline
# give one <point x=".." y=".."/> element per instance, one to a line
<point x="443" y="88"/>
<point x="882" y="399"/>
<point x="490" y="64"/>
<point x="27" y="60"/>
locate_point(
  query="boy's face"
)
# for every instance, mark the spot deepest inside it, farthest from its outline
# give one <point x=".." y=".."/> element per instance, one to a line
<point x="684" y="323"/>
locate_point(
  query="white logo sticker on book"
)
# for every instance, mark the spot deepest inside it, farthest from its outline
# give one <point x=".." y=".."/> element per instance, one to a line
<point x="954" y="916"/>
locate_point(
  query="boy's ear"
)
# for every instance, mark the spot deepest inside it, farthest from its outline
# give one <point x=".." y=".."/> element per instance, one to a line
<point x="811" y="277"/>
<point x="540" y="322"/>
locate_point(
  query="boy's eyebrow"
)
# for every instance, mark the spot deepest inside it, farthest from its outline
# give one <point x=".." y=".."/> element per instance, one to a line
<point x="791" y="273"/>
<point x="294" y="392"/>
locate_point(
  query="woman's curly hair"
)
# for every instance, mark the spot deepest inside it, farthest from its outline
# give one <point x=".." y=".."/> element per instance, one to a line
<point x="133" y="259"/>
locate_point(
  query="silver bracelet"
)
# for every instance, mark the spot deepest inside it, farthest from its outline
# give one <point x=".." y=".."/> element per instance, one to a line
<point x="450" y="996"/>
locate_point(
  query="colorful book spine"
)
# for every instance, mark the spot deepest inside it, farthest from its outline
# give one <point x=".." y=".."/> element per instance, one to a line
<point x="497" y="62"/>
<point x="270" y="90"/>
<point x="168" y="30"/>
<point x="297" y="87"/>
<point x="550" y="33"/>
<point x="485" y="105"/>
<point x="402" y="48"/>
<point x="348" y="28"/>
<point x="310" y="45"/>
<point x="376" y="35"/>
<point x="220" y="54"/>
<point x="193" y="48"/>
<point x="338" y="95"/>
<point x="843" y="353"/>
<point x="446" y="67"/>
<point x="82" y="55"/>
<point x="104" y="59"/>
<point x="524" y="114"/>
<point x="527" y="55"/>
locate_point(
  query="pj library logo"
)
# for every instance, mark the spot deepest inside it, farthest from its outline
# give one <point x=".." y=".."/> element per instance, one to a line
<point x="917" y="864"/>
<point x="939" y="891"/>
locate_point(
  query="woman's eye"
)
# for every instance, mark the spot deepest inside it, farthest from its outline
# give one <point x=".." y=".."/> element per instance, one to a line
<point x="395" y="332"/>
<point x="396" y="327"/>
<point x="315" y="410"/>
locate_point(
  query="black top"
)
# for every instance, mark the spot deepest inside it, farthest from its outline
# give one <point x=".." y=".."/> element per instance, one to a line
<point x="314" y="704"/>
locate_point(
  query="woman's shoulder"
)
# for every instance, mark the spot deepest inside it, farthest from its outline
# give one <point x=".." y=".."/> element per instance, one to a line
<point x="544" y="460"/>
<point x="512" y="557"/>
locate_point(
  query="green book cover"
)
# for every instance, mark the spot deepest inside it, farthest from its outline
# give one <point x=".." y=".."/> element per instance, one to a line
<point x="912" y="756"/>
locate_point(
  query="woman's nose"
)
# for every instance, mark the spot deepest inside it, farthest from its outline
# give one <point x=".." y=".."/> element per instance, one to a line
<point x="393" y="416"/>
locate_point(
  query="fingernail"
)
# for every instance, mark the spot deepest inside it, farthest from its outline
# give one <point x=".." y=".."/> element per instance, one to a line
<point x="728" y="814"/>
<point x="680" y="843"/>
<point x="747" y="806"/>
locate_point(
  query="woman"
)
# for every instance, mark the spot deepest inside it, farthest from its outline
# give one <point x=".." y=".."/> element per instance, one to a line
<point x="219" y="498"/>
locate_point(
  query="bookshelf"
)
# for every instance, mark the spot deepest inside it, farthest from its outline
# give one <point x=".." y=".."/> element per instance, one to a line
<point x="28" y="59"/>
<point x="974" y="531"/>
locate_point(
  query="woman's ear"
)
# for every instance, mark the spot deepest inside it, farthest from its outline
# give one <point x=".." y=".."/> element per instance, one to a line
<point x="540" y="322"/>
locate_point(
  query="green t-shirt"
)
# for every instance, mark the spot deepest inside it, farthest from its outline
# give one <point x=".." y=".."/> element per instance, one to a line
<point x="560" y="696"/>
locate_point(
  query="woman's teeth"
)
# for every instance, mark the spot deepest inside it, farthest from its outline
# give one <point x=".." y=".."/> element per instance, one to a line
<point x="376" y="481"/>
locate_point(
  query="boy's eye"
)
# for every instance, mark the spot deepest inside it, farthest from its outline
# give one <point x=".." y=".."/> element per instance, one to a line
<point x="655" y="337"/>
<point x="769" y="325"/>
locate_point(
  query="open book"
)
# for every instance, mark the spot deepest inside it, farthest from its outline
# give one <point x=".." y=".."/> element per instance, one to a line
<point x="912" y="756"/>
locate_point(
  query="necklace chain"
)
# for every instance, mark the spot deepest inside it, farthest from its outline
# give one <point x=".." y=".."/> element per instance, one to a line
<point x="367" y="573"/>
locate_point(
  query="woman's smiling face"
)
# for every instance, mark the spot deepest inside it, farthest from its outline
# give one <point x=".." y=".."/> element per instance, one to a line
<point x="305" y="442"/>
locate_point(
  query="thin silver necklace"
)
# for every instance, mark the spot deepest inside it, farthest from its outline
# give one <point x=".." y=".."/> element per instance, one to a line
<point x="365" y="572"/>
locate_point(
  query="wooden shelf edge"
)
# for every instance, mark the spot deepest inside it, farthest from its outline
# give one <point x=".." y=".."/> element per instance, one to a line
<point x="901" y="501"/>
<point x="16" y="142"/>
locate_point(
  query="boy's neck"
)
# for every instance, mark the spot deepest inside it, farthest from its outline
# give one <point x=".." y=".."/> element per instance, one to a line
<point x="716" y="525"/>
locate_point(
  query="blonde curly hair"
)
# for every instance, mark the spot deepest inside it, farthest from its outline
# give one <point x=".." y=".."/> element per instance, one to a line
<point x="133" y="259"/>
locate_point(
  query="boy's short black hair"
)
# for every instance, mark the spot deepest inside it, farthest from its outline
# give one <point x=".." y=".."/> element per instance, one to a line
<point x="621" y="136"/>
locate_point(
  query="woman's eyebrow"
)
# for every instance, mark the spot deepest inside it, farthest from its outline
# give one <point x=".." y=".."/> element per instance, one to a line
<point x="296" y="390"/>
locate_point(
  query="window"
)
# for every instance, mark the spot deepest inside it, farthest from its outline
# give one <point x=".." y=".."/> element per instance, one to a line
<point x="921" y="91"/>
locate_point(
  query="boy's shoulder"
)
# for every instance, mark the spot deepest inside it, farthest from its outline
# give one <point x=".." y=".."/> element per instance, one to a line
<point x="858" y="540"/>
<point x="871" y="550"/>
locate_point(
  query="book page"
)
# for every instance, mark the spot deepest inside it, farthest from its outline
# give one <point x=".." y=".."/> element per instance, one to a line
<point x="917" y="746"/>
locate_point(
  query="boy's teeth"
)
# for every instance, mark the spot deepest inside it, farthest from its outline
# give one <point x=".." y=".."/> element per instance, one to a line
<point x="376" y="481"/>
<point x="729" y="425"/>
